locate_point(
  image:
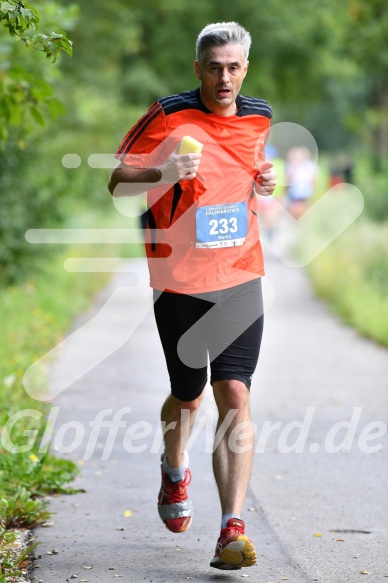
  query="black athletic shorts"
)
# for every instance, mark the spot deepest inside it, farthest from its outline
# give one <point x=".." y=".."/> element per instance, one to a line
<point x="224" y="326"/>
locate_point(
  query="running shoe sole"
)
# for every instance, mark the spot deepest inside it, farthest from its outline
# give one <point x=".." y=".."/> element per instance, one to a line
<point x="237" y="554"/>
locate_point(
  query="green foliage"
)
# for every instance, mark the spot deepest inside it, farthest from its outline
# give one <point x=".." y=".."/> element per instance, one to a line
<point x="25" y="478"/>
<point x="11" y="559"/>
<point x="26" y="93"/>
<point x="374" y="187"/>
<point x="352" y="275"/>
<point x="29" y="197"/>
<point x="141" y="84"/>
<point x="39" y="308"/>
<point x="19" y="509"/>
<point x="18" y="17"/>
<point x="34" y="315"/>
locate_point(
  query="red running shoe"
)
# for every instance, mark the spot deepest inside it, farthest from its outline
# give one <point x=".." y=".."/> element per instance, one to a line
<point x="174" y="506"/>
<point x="234" y="550"/>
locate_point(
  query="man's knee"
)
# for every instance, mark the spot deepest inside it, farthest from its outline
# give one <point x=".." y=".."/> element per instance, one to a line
<point x="191" y="406"/>
<point x="230" y="394"/>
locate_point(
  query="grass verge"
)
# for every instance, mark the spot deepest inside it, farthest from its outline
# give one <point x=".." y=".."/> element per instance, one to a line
<point x="34" y="315"/>
<point x="352" y="275"/>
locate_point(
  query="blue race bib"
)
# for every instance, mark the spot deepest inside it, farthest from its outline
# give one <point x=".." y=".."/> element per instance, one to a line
<point x="222" y="225"/>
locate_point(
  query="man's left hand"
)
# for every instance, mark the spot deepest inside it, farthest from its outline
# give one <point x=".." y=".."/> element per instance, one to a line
<point x="265" y="179"/>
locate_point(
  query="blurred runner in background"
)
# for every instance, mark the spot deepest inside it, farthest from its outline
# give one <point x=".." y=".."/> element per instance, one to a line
<point x="301" y="175"/>
<point x="269" y="205"/>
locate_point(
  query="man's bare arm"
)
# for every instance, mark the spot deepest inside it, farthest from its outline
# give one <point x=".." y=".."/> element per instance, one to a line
<point x="135" y="181"/>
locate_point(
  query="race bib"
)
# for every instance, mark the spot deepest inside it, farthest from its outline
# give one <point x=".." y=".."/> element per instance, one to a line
<point x="222" y="225"/>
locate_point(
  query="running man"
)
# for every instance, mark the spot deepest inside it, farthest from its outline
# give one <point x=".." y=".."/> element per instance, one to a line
<point x="205" y="262"/>
<point x="301" y="176"/>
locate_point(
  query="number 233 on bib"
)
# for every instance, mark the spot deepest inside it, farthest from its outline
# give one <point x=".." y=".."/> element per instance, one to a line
<point x="222" y="225"/>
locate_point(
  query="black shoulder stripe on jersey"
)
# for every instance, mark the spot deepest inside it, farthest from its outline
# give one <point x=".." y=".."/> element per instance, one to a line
<point x="253" y="99"/>
<point x="181" y="101"/>
<point x="179" y="97"/>
<point x="138" y="129"/>
<point x="262" y="106"/>
<point x="254" y="106"/>
<point x="246" y="110"/>
<point x="185" y="105"/>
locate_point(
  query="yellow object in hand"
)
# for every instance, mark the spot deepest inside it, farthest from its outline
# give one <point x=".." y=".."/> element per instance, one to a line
<point x="190" y="146"/>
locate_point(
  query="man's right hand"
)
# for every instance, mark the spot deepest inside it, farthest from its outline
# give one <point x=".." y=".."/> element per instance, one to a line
<point x="180" y="167"/>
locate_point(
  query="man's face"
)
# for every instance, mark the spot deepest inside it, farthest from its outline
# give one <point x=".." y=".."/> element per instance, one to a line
<point x="221" y="74"/>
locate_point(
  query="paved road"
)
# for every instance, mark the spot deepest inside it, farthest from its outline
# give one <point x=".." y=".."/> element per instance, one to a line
<point x="312" y="370"/>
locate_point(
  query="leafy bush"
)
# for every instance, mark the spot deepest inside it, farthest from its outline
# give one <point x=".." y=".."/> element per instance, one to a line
<point x="26" y="92"/>
<point x="376" y="198"/>
<point x="374" y="187"/>
<point x="352" y="275"/>
<point x="29" y="197"/>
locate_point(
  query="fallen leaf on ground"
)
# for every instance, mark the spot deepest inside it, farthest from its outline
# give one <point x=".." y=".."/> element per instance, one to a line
<point x="364" y="573"/>
<point x="120" y="528"/>
<point x="284" y="579"/>
<point x="340" y="540"/>
<point x="317" y="534"/>
<point x="127" y="513"/>
<point x="86" y="567"/>
<point x="48" y="524"/>
<point x="24" y="564"/>
<point x="84" y="580"/>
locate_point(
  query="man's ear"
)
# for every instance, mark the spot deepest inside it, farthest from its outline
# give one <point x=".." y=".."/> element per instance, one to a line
<point x="197" y="70"/>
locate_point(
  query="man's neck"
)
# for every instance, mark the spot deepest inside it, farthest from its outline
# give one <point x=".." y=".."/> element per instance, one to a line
<point x="223" y="112"/>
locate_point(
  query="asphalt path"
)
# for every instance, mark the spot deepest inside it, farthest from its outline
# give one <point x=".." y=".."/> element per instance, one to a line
<point x="318" y="498"/>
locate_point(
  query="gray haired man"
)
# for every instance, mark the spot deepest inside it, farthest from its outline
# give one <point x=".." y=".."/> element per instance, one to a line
<point x="204" y="207"/>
